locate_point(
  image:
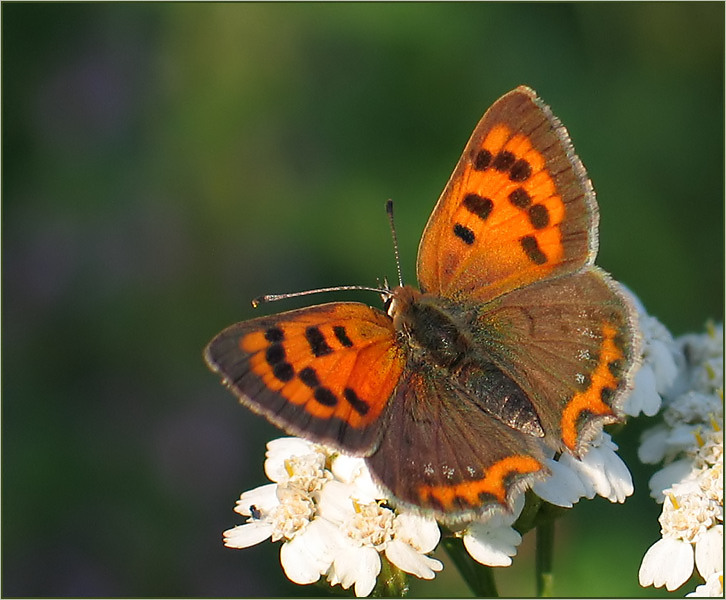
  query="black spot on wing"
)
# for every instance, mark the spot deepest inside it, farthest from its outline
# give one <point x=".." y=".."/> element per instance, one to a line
<point x="464" y="234"/>
<point x="316" y="340"/>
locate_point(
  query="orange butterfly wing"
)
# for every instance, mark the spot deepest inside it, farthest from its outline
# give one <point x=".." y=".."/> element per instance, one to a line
<point x="325" y="372"/>
<point x="518" y="207"/>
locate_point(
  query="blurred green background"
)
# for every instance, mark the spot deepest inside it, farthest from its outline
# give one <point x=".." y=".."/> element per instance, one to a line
<point x="165" y="163"/>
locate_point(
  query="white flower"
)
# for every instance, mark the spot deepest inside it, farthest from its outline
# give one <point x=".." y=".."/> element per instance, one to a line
<point x="601" y="471"/>
<point x="689" y="441"/>
<point x="369" y="528"/>
<point x="668" y="562"/>
<point x="492" y="540"/>
<point x="563" y="487"/>
<point x="658" y="369"/>
<point x="308" y="555"/>
<point x="332" y="518"/>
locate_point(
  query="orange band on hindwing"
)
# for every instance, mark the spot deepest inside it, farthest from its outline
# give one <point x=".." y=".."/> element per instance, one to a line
<point x="471" y="494"/>
<point x="603" y="384"/>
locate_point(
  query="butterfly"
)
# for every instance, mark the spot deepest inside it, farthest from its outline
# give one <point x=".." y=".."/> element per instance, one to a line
<point x="514" y="347"/>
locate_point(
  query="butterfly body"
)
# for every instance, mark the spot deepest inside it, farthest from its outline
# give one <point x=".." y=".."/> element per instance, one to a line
<point x="444" y="337"/>
<point x="515" y="347"/>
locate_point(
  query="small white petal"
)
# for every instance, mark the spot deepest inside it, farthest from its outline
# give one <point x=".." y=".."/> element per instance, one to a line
<point x="644" y="397"/>
<point x="664" y="366"/>
<point x="335" y="502"/>
<point x="347" y="468"/>
<point x="491" y="546"/>
<point x="562" y="488"/>
<point x="681" y="437"/>
<point x="601" y="470"/>
<point x="422" y="533"/>
<point x="667" y="477"/>
<point x="249" y="534"/>
<point x="588" y="481"/>
<point x="282" y="449"/>
<point x="356" y="565"/>
<point x="311" y="552"/>
<point x="407" y="559"/>
<point x="263" y="498"/>
<point x="709" y="552"/>
<point x="668" y="562"/>
<point x="653" y="444"/>
<point x="621" y="481"/>
<point x="354" y="471"/>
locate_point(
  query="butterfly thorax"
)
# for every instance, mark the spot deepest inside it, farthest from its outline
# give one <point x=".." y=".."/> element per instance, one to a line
<point x="431" y="327"/>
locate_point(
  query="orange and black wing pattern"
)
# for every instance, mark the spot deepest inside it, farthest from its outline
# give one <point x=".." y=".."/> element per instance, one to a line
<point x="326" y="372"/>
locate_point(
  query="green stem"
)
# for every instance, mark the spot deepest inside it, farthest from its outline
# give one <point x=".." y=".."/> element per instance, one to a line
<point x="480" y="578"/>
<point x="391" y="582"/>
<point x="544" y="558"/>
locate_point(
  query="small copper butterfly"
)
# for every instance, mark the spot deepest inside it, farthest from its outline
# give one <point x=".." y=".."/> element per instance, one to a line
<point x="514" y="346"/>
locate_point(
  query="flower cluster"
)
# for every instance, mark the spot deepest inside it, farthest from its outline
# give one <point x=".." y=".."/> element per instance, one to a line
<point x="332" y="519"/>
<point x="689" y="444"/>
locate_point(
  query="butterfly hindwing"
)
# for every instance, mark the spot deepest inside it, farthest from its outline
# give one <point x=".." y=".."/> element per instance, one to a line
<point x="570" y="344"/>
<point x="518" y="207"/>
<point x="325" y="372"/>
<point x="443" y="453"/>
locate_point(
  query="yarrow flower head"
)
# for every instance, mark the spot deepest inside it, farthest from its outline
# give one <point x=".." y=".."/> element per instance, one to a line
<point x="332" y="519"/>
<point x="689" y="444"/>
<point x="335" y="522"/>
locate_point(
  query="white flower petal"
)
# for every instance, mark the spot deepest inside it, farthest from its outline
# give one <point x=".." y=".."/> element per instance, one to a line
<point x="356" y="565"/>
<point x="249" y="534"/>
<point x="668" y="562"/>
<point x="709" y="552"/>
<point x="667" y="477"/>
<point x="335" y="502"/>
<point x="653" y="444"/>
<point x="281" y="449"/>
<point x="422" y="533"/>
<point x="407" y="559"/>
<point x="618" y="474"/>
<point x="493" y="546"/>
<point x="311" y="552"/>
<point x="562" y="488"/>
<point x="681" y="437"/>
<point x="263" y="498"/>
<point x="664" y="366"/>
<point x="644" y="397"/>
<point x="347" y="468"/>
<point x="588" y="481"/>
<point x="354" y="471"/>
<point x="603" y="472"/>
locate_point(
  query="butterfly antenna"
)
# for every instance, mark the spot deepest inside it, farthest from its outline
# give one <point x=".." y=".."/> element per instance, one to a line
<point x="338" y="288"/>
<point x="389" y="212"/>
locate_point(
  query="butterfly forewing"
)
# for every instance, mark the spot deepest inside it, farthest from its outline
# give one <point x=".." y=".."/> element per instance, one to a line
<point x="518" y="207"/>
<point x="324" y="372"/>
